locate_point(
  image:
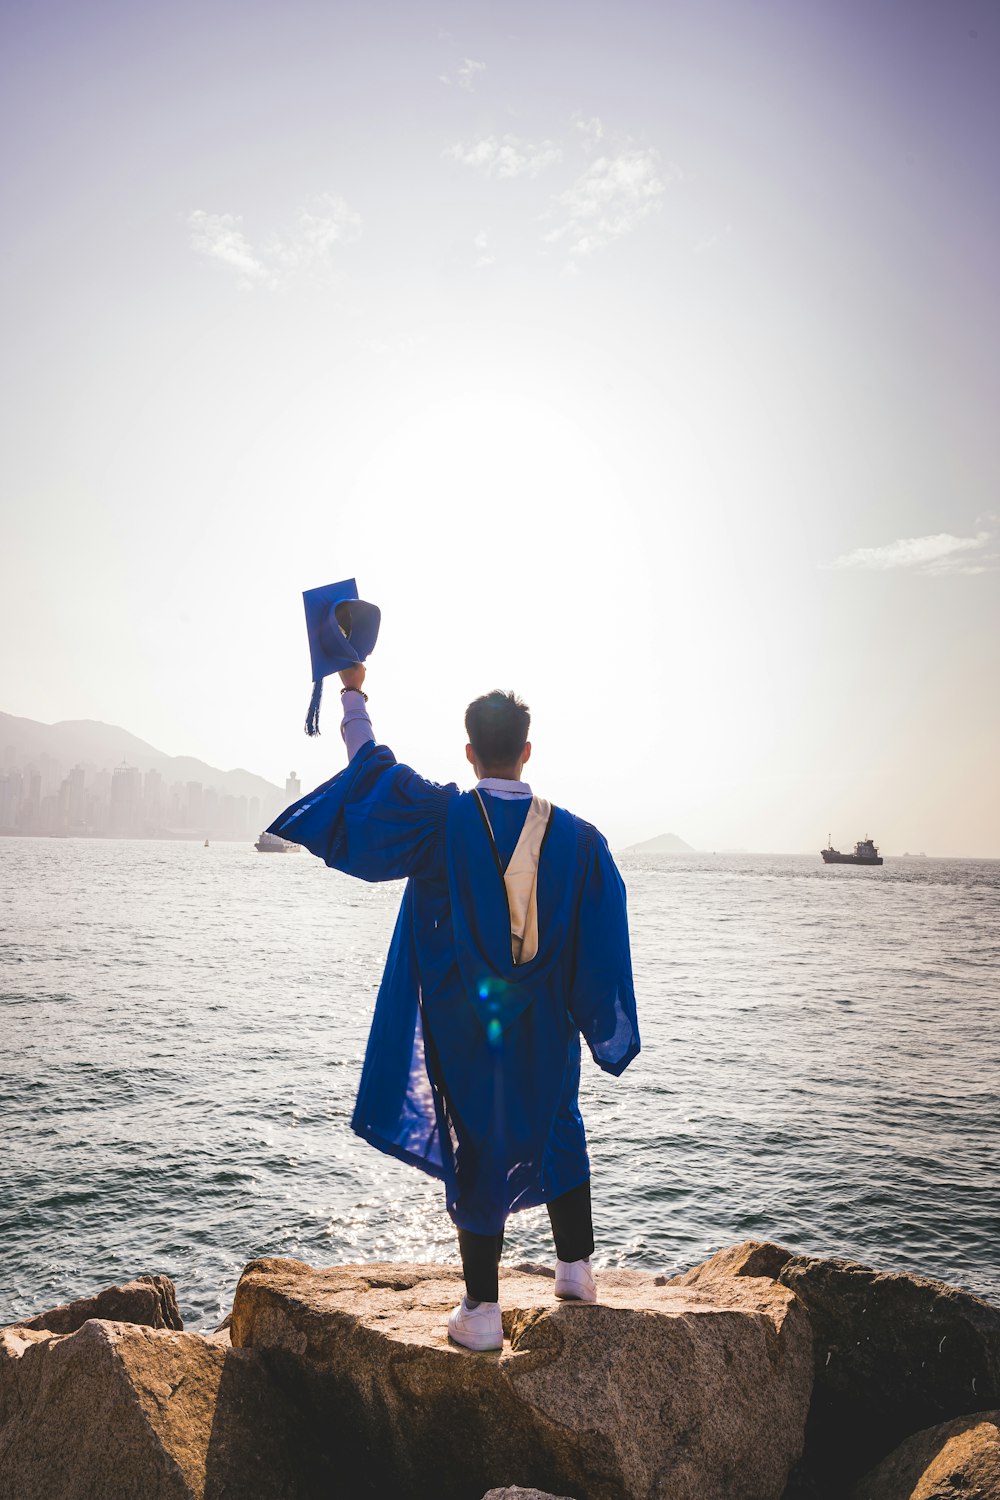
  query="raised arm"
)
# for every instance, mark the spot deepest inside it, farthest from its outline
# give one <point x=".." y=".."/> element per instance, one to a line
<point x="375" y="819"/>
<point x="356" y="727"/>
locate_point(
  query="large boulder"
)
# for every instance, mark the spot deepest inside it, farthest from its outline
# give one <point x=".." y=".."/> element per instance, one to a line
<point x="129" y="1413"/>
<point x="894" y="1353"/>
<point x="750" y="1258"/>
<point x="658" y="1392"/>
<point x="958" y="1460"/>
<point x="148" y="1300"/>
<point x="518" y="1492"/>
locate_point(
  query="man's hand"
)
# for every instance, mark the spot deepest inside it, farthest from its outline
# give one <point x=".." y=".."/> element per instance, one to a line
<point x="353" y="677"/>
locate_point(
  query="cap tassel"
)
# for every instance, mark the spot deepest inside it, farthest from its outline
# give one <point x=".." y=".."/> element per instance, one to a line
<point x="312" y="717"/>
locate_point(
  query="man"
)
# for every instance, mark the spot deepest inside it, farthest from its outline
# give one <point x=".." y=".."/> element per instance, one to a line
<point x="511" y="941"/>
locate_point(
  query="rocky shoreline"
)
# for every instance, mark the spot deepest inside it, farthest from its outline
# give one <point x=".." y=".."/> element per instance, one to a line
<point x="758" y="1375"/>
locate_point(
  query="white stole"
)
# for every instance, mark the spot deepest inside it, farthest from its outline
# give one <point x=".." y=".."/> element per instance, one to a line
<point x="521" y="879"/>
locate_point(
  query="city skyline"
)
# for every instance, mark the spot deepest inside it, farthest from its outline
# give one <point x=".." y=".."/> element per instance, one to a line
<point x="40" y="797"/>
<point x="644" y="359"/>
<point x="90" y="779"/>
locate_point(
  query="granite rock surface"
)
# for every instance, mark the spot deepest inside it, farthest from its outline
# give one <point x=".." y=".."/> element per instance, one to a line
<point x="894" y="1353"/>
<point x="750" y="1258"/>
<point x="958" y="1460"/>
<point x="122" y="1412"/>
<point x="516" y="1492"/>
<point x="658" y="1392"/>
<point x="757" y="1375"/>
<point x="148" y="1300"/>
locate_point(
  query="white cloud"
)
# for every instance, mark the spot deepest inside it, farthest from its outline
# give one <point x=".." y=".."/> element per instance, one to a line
<point x="506" y="156"/>
<point x="940" y="553"/>
<point x="322" y="223"/>
<point x="482" y="244"/>
<point x="466" y="72"/>
<point x="592" y="129"/>
<point x="221" y="237"/>
<point x="610" y="199"/>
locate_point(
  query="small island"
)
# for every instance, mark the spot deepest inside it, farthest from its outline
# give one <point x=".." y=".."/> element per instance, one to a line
<point x="663" y="843"/>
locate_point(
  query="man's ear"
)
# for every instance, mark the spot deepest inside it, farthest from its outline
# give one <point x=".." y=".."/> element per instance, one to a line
<point x="527" y="752"/>
<point x="470" y="756"/>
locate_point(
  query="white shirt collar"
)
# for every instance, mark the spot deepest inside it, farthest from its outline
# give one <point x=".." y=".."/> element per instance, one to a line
<point x="498" y="786"/>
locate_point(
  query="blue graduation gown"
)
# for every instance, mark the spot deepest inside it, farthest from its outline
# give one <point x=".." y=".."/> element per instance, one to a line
<point x="473" y="1063"/>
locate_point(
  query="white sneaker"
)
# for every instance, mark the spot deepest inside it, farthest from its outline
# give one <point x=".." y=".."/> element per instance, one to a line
<point x="478" y="1328"/>
<point x="575" y="1281"/>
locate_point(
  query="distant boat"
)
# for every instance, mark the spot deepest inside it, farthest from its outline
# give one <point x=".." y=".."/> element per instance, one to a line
<point x="865" y="853"/>
<point x="269" y="843"/>
<point x="206" y="843"/>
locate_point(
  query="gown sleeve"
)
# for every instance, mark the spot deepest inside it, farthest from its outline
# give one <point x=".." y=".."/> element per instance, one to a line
<point x="376" y="819"/>
<point x="602" y="996"/>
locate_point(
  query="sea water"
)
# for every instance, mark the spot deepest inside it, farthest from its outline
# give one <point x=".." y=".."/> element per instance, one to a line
<point x="182" y="1030"/>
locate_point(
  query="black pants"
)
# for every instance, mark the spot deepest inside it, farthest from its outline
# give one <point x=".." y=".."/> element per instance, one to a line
<point x="572" y="1229"/>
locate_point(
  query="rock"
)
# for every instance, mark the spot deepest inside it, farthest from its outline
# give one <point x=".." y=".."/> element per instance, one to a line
<point x="958" y="1460"/>
<point x="515" y="1492"/>
<point x="148" y="1300"/>
<point x="664" y="1393"/>
<point x="894" y="1353"/>
<point x="804" y="1485"/>
<point x="751" y="1258"/>
<point x="131" y="1413"/>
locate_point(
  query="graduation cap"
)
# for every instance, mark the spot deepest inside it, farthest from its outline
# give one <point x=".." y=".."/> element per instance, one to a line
<point x="342" y="631"/>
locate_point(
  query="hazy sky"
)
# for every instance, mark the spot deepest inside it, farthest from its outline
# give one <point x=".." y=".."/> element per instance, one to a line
<point x="642" y="357"/>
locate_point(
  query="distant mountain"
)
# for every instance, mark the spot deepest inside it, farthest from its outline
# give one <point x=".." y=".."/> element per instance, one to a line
<point x="664" y="843"/>
<point x="103" y="746"/>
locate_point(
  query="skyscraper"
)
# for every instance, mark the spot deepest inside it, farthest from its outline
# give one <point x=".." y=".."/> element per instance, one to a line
<point x="125" y="788"/>
<point x="152" y="800"/>
<point x="194" y="799"/>
<point x="77" y="808"/>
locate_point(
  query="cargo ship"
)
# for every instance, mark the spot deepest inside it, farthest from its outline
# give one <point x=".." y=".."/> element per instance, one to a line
<point x="865" y="853"/>
<point x="269" y="843"/>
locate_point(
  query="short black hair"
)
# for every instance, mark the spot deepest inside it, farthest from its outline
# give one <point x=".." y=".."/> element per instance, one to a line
<point x="497" y="725"/>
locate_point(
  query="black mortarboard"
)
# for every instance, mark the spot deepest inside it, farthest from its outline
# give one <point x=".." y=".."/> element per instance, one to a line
<point x="342" y="631"/>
